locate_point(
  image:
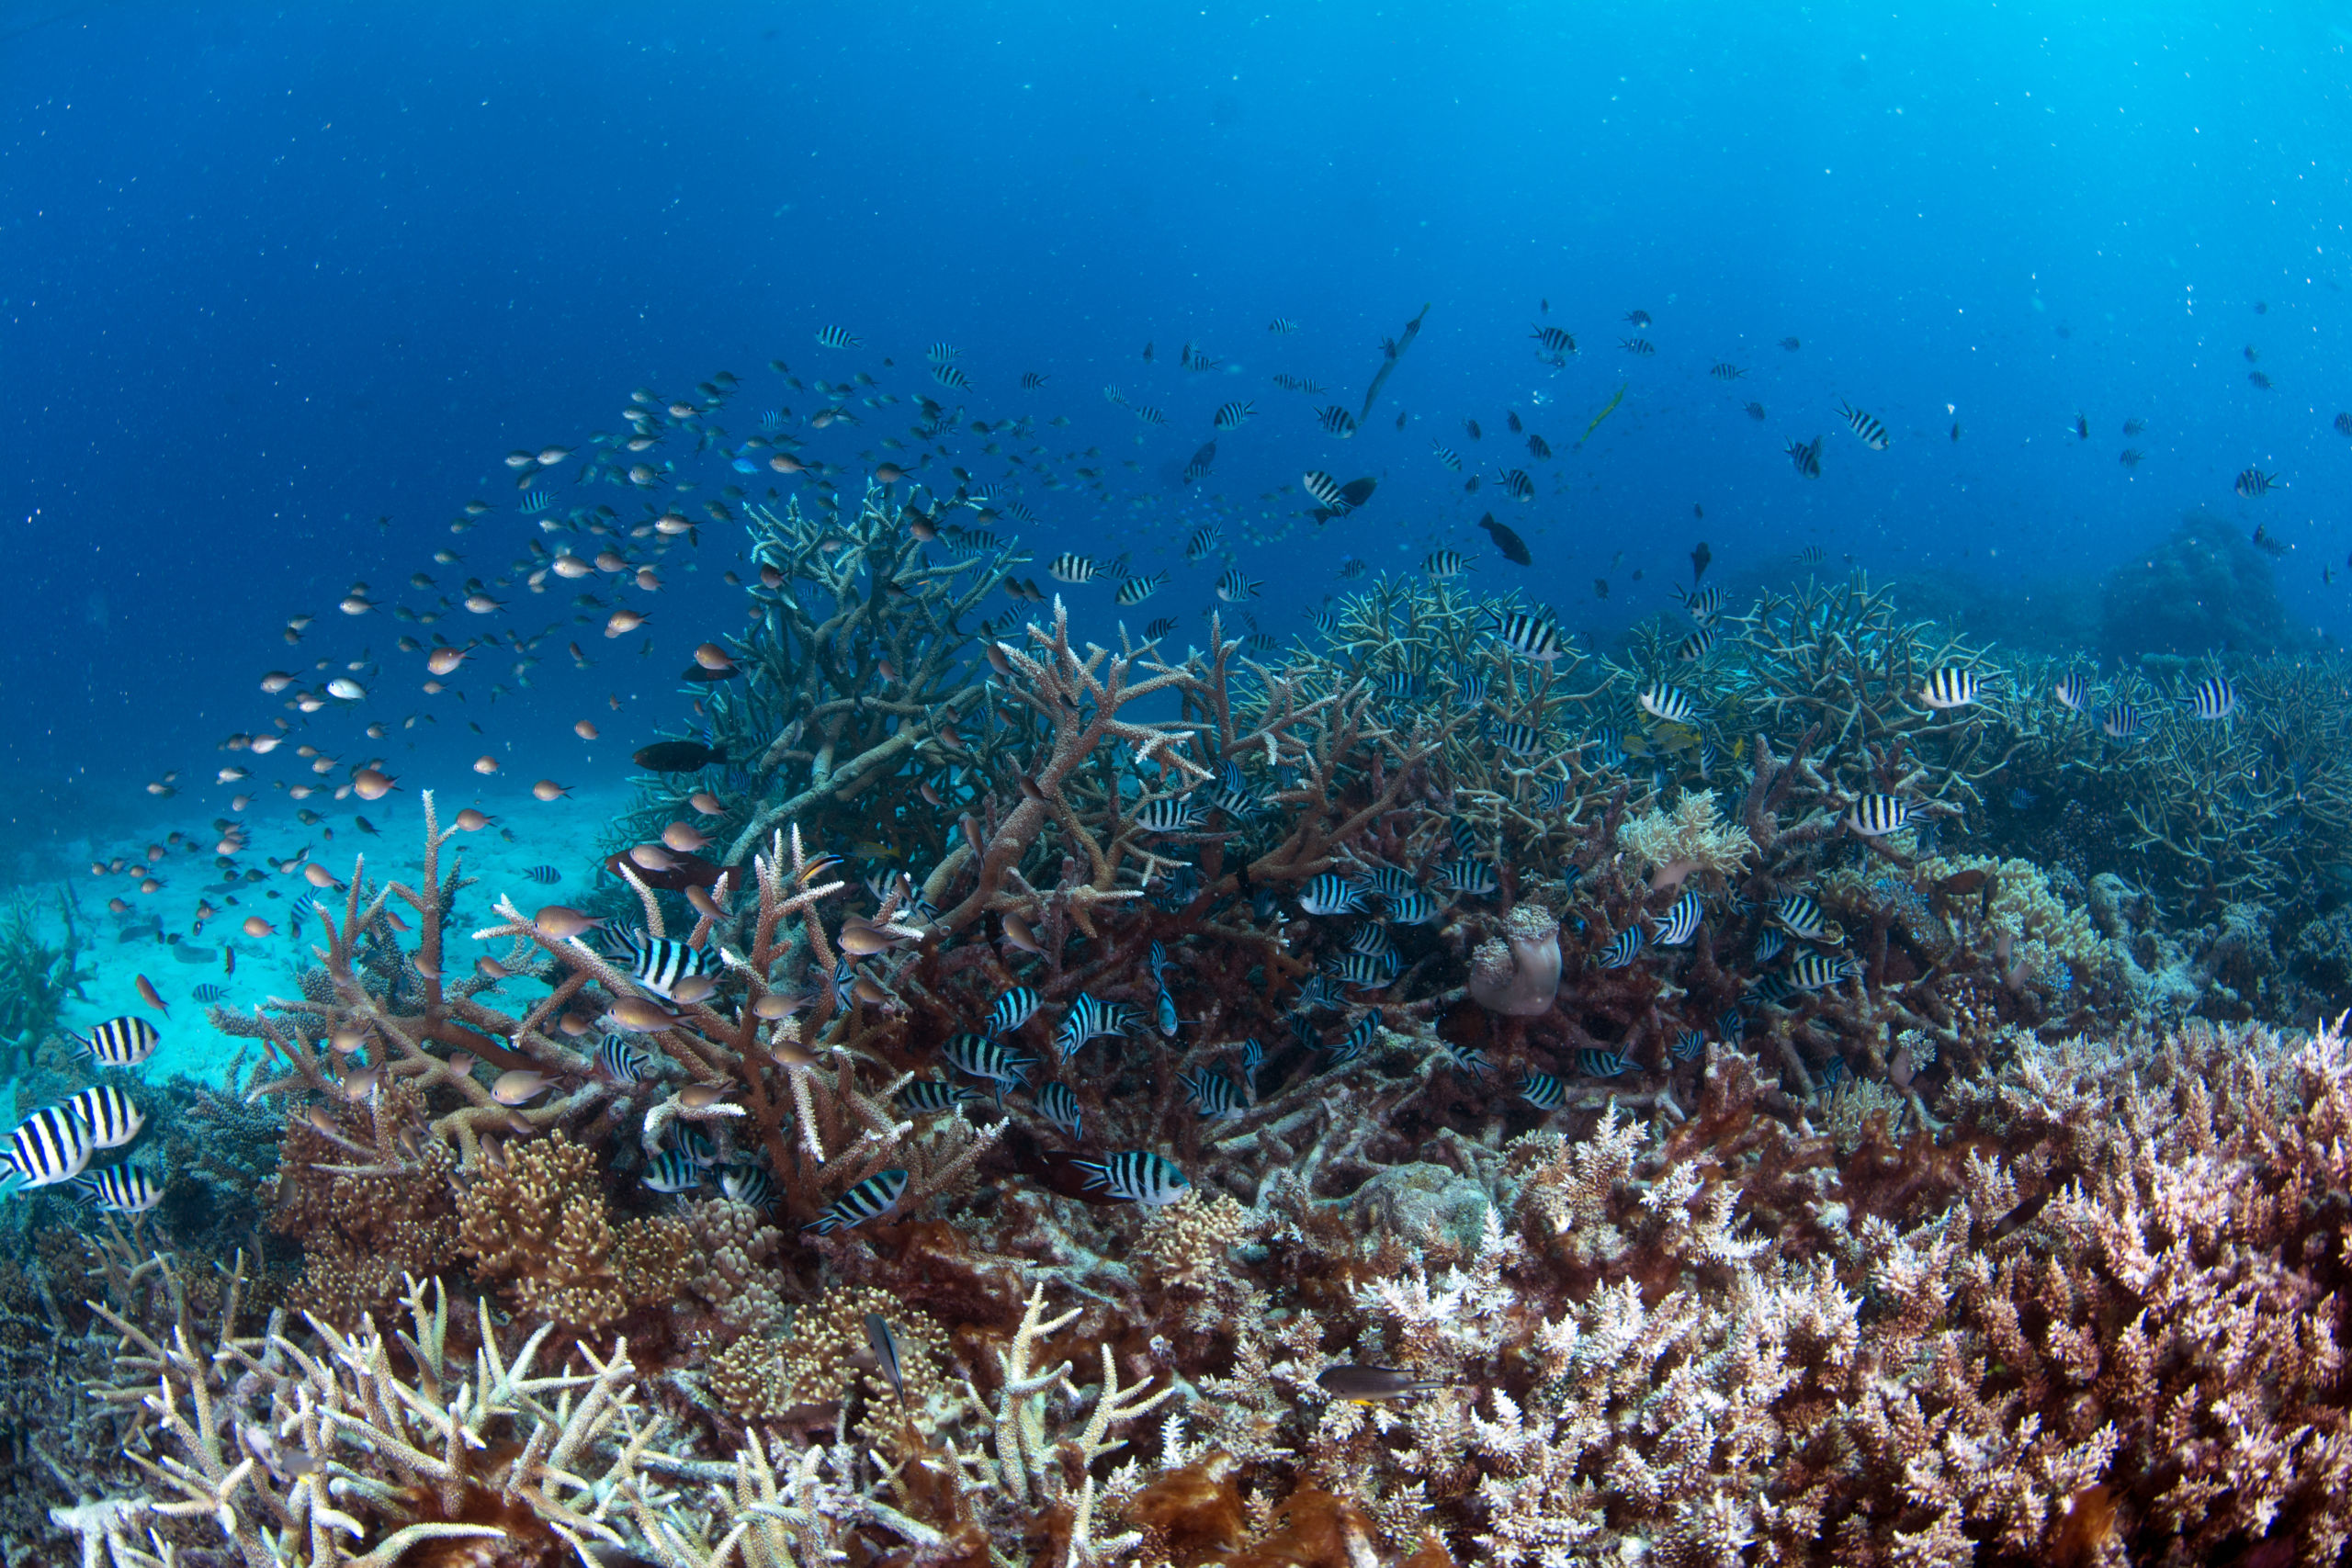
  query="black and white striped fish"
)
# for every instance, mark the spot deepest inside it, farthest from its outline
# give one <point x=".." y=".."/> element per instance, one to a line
<point x="1071" y="567"/>
<point x="1770" y="944"/>
<point x="1530" y="635"/>
<point x="1552" y="341"/>
<point x="1514" y="737"/>
<point x="1318" y="991"/>
<point x="108" y="1115"/>
<point x="1475" y="877"/>
<point x="1703" y="604"/>
<point x="1148" y="414"/>
<point x="1806" y="455"/>
<point x="2120" y="722"/>
<point x="1688" y="1045"/>
<point x="1873" y="433"/>
<point x="121" y="1190"/>
<point x="1325" y="490"/>
<point x="1595" y="1063"/>
<point x="534" y="500"/>
<point x="1253" y="1057"/>
<point x="2071" y="692"/>
<point x="1203" y="544"/>
<point x="1697" y="645"/>
<point x="1014" y="1008"/>
<point x="622" y="1062"/>
<point x="2213" y="698"/>
<point x="1135" y="590"/>
<point x="1060" y="1105"/>
<point x="1410" y="908"/>
<point x="2254" y="483"/>
<point x="1331" y="894"/>
<point x="870" y="1199"/>
<point x="1232" y="415"/>
<point x="1542" y="1091"/>
<point x="1622" y="948"/>
<point x="48" y="1147"/>
<point x="1443" y="564"/>
<point x="1640" y="347"/>
<point x="1088" y="1019"/>
<point x="1875" y="816"/>
<point x="672" y="1170"/>
<point x="952" y="376"/>
<point x="1447" y="458"/>
<point x="1336" y="420"/>
<point x="1236" y="589"/>
<point x="1516" y="484"/>
<point x="837" y="337"/>
<point x="1812" y="971"/>
<point x="1723" y="370"/>
<point x="656" y="963"/>
<point x="1681" y="922"/>
<point x="1281" y="326"/>
<point x="940" y="353"/>
<point x="1138" y="1176"/>
<point x="1670" y="703"/>
<point x="930" y="1097"/>
<point x="1801" y="916"/>
<point x="1216" y="1097"/>
<point x="1363" y="1036"/>
<point x="749" y="1184"/>
<point x="1031" y="380"/>
<point x="1952" y="688"/>
<point x="123" y="1041"/>
<point x="1182" y="814"/>
<point x="1372" y="971"/>
<point x="1373" y="941"/>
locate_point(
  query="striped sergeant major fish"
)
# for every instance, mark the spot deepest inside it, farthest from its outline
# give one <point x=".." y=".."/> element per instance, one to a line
<point x="107" y="1116"/>
<point x="1542" y="1090"/>
<point x="123" y="1041"/>
<point x="748" y="1184"/>
<point x="2214" y="697"/>
<point x="1203" y="544"/>
<point x="930" y="1097"/>
<point x="1801" y="916"/>
<point x="1316" y="991"/>
<point x="1410" y="908"/>
<point x="1872" y="432"/>
<point x="1059" y="1106"/>
<point x="1233" y="415"/>
<point x="1090" y="1018"/>
<point x="1475" y="877"/>
<point x="1639" y="347"/>
<point x="1325" y="490"/>
<point x="940" y="353"/>
<point x="1622" y="948"/>
<point x="1253" y="1058"/>
<point x="1281" y="326"/>
<point x="1443" y="564"/>
<point x="1357" y="1040"/>
<point x="1071" y="567"/>
<point x="1201" y="462"/>
<point x="1806" y="455"/>
<point x="951" y="377"/>
<point x="1688" y="1045"/>
<point x="837" y="337"/>
<point x="1235" y="589"/>
<point x="1875" y="816"/>
<point x="1215" y="1096"/>
<point x="1447" y="458"/>
<point x="1703" y="604"/>
<point x="1516" y="484"/>
<point x="982" y="1057"/>
<point x="1016" y="1006"/>
<point x="1681" y="922"/>
<point x="2071" y="692"/>
<point x="1670" y="703"/>
<point x="1697" y="645"/>
<point x="869" y="1199"/>
<point x="1135" y="590"/>
<point x="621" y="1061"/>
<point x="1595" y="1063"/>
<point x="1811" y="972"/>
<point x="1331" y="894"/>
<point x="121" y="1190"/>
<point x="1336" y="420"/>
<point x="1372" y="940"/>
<point x="2254" y="483"/>
<point x="1553" y="343"/>
<point x="673" y="1172"/>
<point x="1733" y="1025"/>
<point x="1031" y="379"/>
<point x="2120" y="722"/>
<point x="1138" y="1176"/>
<point x="1529" y="635"/>
<point x="48" y="1147"/>
<point x="1770" y="944"/>
<point x="656" y="963"/>
<point x="1373" y="971"/>
<point x="1182" y="814"/>
<point x="1951" y="688"/>
<point x="1148" y="414"/>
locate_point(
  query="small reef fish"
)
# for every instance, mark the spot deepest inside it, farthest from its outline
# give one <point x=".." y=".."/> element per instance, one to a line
<point x="870" y="1199"/>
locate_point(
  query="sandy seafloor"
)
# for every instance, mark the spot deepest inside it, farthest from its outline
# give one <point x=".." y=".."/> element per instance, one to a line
<point x="563" y="834"/>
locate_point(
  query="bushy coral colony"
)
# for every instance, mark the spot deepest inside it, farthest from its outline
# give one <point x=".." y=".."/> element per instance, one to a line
<point x="1803" y="1090"/>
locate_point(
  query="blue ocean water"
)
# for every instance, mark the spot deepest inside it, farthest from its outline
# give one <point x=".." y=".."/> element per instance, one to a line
<point x="280" y="286"/>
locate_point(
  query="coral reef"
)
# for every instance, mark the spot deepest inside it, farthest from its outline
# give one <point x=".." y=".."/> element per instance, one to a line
<point x="1383" y="1102"/>
<point x="2205" y="587"/>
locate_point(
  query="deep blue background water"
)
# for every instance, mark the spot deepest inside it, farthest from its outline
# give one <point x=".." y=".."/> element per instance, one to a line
<point x="268" y="275"/>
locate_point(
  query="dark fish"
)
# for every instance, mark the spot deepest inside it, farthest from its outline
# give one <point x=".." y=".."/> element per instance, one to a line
<point x="1472" y="426"/>
<point x="1369" y="1385"/>
<point x="1806" y="457"/>
<point x="544" y="876"/>
<point x="208" y="993"/>
<point x="1699" y="556"/>
<point x="1511" y="416"/>
<point x="1724" y="371"/>
<point x="1755" y="410"/>
<point x="2082" y="428"/>
<point x="1513" y="548"/>
<point x="678" y="756"/>
<point x="1790" y="343"/>
<point x="1539" y="448"/>
<point x="1355" y="493"/>
<point x="1600" y="588"/>
<point x="1202" y="460"/>
<point x="2129" y="458"/>
<point x="2254" y="482"/>
<point x="1637" y="318"/>
<point x="1640" y="347"/>
<point x="2259" y="379"/>
<point x="2342" y="425"/>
